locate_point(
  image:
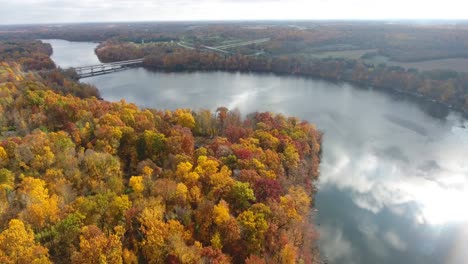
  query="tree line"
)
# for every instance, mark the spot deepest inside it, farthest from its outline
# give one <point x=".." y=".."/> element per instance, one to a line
<point x="400" y="42"/>
<point x="447" y="87"/>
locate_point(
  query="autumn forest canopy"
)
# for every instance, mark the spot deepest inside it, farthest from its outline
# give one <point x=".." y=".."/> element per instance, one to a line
<point x="83" y="180"/>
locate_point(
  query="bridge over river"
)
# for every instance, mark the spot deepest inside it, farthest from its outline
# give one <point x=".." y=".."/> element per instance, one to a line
<point x="105" y="68"/>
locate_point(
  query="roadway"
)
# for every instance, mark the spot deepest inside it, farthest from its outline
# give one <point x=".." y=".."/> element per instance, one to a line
<point x="222" y="48"/>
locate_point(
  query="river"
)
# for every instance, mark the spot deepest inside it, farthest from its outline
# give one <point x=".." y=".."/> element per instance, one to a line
<point x="393" y="186"/>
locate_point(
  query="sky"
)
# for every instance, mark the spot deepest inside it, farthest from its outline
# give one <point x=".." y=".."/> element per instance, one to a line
<point x="71" y="11"/>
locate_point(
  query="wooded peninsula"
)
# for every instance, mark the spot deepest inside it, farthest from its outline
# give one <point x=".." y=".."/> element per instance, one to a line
<point x="84" y="180"/>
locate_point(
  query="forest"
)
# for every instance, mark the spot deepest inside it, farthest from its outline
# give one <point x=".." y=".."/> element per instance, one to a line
<point x="32" y="55"/>
<point x="83" y="180"/>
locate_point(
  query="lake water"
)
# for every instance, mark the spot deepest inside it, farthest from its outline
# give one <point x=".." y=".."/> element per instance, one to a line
<point x="393" y="186"/>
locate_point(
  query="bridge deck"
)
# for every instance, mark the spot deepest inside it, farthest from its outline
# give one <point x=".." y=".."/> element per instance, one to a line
<point x="105" y="68"/>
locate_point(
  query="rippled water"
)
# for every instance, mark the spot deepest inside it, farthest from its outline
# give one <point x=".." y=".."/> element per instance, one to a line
<point x="394" y="175"/>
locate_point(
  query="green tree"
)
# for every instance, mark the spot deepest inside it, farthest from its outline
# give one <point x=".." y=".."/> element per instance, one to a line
<point x="241" y="196"/>
<point x="253" y="226"/>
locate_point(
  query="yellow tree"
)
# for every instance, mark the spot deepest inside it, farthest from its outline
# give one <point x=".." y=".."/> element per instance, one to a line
<point x="206" y="167"/>
<point x="154" y="229"/>
<point x="296" y="203"/>
<point x="164" y="238"/>
<point x="290" y="156"/>
<point x="288" y="255"/>
<point x="3" y="157"/>
<point x="96" y="247"/>
<point x="182" y="193"/>
<point x="221" y="183"/>
<point x="221" y="213"/>
<point x="103" y="171"/>
<point x="40" y="208"/>
<point x="17" y="245"/>
<point x="177" y="239"/>
<point x="184" y="173"/>
<point x="184" y="118"/>
<point x="136" y="182"/>
<point x="253" y="226"/>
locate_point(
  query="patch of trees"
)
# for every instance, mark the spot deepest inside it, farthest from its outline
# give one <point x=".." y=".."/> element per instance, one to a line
<point x="135" y="32"/>
<point x="85" y="180"/>
<point x="65" y="82"/>
<point x="32" y="55"/>
<point x="109" y="52"/>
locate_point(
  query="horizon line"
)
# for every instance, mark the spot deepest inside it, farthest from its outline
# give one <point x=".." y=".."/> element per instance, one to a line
<point x="424" y="20"/>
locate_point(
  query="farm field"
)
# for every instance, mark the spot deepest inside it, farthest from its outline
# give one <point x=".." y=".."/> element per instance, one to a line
<point x="347" y="54"/>
<point x="454" y="64"/>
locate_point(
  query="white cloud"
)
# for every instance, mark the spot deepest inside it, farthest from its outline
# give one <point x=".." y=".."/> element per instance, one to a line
<point x="395" y="241"/>
<point x="335" y="246"/>
<point x="46" y="11"/>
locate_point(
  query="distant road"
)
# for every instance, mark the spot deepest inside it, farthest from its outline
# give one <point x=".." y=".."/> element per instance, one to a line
<point x="216" y="49"/>
<point x="223" y="48"/>
<point x="182" y="44"/>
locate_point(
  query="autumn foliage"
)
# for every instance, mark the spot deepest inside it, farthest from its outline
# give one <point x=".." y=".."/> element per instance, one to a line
<point x="89" y="181"/>
<point x="33" y="55"/>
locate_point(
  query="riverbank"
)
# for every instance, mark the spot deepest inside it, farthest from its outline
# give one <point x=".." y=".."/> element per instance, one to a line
<point x="444" y="87"/>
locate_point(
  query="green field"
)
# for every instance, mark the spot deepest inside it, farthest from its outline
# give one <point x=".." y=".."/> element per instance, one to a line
<point x="454" y="64"/>
<point x="347" y="54"/>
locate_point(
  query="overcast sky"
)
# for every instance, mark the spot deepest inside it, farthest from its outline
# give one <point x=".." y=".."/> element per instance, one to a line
<point x="59" y="11"/>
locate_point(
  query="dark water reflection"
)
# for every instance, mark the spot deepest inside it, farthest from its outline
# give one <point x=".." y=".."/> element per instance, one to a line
<point x="394" y="179"/>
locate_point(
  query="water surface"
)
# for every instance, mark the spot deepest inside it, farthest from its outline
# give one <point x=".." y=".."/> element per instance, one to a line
<point x="73" y="54"/>
<point x="394" y="175"/>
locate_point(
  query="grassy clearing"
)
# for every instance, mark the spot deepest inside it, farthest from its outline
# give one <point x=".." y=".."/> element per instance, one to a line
<point x="346" y="54"/>
<point x="454" y="64"/>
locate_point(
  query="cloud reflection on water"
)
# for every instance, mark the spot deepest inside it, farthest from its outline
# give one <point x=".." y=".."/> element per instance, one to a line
<point x="406" y="167"/>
